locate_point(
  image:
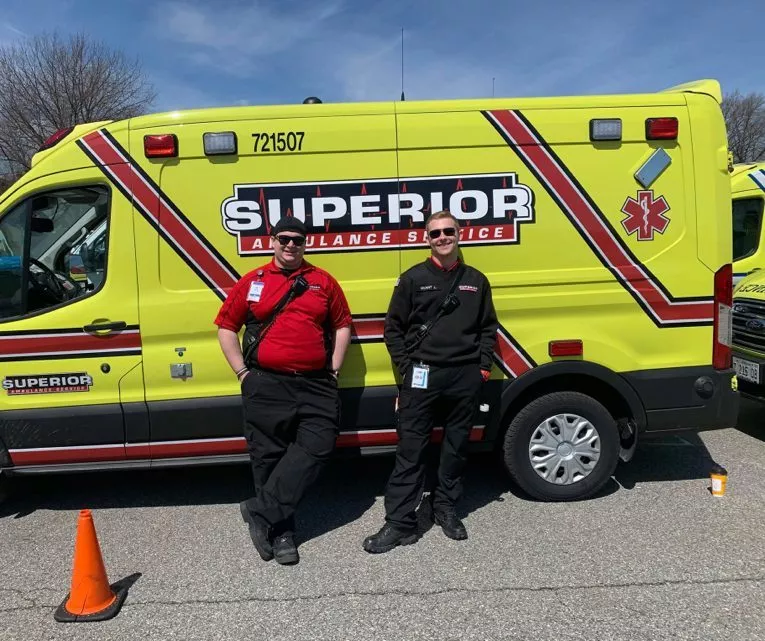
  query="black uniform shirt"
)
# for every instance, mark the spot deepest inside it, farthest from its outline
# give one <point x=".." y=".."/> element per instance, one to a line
<point x="466" y="335"/>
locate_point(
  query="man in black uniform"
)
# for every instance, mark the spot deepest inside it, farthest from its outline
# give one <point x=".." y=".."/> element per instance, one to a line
<point x="440" y="331"/>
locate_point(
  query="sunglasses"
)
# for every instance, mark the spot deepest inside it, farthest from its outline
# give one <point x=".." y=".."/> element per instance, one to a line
<point x="285" y="240"/>
<point x="448" y="231"/>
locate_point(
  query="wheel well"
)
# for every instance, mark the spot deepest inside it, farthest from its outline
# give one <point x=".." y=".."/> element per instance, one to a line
<point x="5" y="457"/>
<point x="592" y="386"/>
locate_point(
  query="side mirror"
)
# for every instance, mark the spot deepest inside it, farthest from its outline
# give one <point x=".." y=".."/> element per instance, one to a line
<point x="42" y="225"/>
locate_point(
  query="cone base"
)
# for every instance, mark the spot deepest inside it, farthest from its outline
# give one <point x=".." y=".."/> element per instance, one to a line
<point x="64" y="616"/>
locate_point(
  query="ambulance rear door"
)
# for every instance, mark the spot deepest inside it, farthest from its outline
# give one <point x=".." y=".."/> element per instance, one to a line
<point x="70" y="342"/>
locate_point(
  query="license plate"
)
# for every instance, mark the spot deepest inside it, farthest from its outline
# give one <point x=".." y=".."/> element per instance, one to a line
<point x="747" y="370"/>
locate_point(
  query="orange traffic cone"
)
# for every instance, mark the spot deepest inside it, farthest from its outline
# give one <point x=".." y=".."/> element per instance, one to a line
<point x="91" y="598"/>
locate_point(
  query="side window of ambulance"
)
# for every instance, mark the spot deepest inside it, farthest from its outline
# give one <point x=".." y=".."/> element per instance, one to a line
<point x="747" y="224"/>
<point x="52" y="250"/>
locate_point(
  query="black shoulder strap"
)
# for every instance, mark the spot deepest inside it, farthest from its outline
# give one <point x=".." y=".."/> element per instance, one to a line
<point x="447" y="305"/>
<point x="256" y="330"/>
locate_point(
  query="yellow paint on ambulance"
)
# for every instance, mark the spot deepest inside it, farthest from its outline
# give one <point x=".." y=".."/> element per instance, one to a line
<point x="577" y="243"/>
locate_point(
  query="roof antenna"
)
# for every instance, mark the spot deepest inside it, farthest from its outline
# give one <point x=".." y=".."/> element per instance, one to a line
<point x="402" y="64"/>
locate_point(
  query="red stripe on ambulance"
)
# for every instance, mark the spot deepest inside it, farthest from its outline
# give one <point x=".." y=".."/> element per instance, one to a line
<point x="533" y="150"/>
<point x="68" y="343"/>
<point x="509" y="356"/>
<point x="185" y="240"/>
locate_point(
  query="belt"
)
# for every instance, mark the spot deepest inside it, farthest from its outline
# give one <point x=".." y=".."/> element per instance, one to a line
<point x="313" y="373"/>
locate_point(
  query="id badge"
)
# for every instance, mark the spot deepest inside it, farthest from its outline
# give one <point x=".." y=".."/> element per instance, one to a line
<point x="420" y="376"/>
<point x="256" y="289"/>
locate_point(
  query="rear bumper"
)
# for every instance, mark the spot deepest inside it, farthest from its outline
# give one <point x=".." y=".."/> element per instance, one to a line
<point x="686" y="398"/>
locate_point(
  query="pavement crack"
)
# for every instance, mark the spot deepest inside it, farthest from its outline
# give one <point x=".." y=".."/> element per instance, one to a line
<point x="455" y="590"/>
<point x="22" y="595"/>
<point x="402" y="593"/>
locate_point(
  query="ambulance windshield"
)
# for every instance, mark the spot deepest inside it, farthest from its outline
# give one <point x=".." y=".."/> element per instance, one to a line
<point x="747" y="225"/>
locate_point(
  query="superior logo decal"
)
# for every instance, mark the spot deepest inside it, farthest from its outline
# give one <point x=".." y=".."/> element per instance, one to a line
<point x="51" y="384"/>
<point x="380" y="214"/>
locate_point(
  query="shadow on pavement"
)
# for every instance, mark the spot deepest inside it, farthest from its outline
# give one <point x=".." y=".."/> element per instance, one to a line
<point x="666" y="458"/>
<point x="751" y="419"/>
<point x="347" y="489"/>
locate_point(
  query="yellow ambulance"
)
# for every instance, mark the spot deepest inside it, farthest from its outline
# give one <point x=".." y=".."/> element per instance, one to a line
<point x="748" y="191"/>
<point x="602" y="223"/>
<point x="749" y="334"/>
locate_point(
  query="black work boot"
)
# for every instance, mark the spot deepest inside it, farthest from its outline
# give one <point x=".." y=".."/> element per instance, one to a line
<point x="388" y="538"/>
<point x="285" y="551"/>
<point x="450" y="524"/>
<point x="258" y="533"/>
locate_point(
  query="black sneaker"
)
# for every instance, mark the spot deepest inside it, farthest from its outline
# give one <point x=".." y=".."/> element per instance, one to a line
<point x="388" y="538"/>
<point x="258" y="533"/>
<point x="450" y="524"/>
<point x="285" y="551"/>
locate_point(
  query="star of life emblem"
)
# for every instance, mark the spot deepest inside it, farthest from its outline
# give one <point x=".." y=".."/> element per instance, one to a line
<point x="645" y="215"/>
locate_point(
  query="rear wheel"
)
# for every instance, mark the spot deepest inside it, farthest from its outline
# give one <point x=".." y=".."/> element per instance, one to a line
<point x="562" y="446"/>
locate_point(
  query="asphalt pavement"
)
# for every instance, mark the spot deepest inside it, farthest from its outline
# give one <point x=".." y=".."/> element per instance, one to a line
<point x="654" y="556"/>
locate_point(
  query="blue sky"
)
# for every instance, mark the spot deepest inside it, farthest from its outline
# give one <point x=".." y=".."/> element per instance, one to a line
<point x="226" y="52"/>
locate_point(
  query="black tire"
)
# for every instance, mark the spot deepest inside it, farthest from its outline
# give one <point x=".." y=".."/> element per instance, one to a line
<point x="525" y="424"/>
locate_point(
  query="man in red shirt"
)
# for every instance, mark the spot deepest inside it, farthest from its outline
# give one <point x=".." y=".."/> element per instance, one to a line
<point x="288" y="378"/>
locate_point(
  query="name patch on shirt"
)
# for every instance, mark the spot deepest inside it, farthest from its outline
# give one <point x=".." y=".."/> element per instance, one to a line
<point x="428" y="288"/>
<point x="467" y="288"/>
<point x="256" y="289"/>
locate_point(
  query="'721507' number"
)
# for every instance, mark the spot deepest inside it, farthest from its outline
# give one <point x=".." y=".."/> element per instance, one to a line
<point x="282" y="141"/>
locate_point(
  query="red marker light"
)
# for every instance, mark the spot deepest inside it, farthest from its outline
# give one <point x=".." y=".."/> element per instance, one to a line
<point x="160" y="146"/>
<point x="722" y="328"/>
<point x="566" y="348"/>
<point x="661" y="129"/>
<point x="56" y="138"/>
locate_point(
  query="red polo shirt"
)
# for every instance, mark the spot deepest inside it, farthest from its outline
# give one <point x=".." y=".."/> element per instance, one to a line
<point x="295" y="340"/>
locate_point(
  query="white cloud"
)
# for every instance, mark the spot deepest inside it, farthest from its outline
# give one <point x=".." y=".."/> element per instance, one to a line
<point x="234" y="40"/>
<point x="175" y="95"/>
<point x="349" y="53"/>
<point x="317" y="43"/>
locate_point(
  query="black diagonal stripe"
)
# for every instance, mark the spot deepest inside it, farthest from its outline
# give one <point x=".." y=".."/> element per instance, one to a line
<point x="589" y="242"/>
<point x="517" y="345"/>
<point x="176" y="210"/>
<point x="599" y="213"/>
<point x="154" y="224"/>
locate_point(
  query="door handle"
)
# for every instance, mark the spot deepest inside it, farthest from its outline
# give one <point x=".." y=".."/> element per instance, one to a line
<point x="104" y="327"/>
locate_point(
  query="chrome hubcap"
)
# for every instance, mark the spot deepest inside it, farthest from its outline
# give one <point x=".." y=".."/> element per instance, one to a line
<point x="564" y="449"/>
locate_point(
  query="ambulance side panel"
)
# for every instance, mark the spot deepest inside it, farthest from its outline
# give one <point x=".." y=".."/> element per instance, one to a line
<point x="592" y="254"/>
<point x="213" y="228"/>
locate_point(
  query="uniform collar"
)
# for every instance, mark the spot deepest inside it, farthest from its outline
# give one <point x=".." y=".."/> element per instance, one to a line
<point x="305" y="266"/>
<point x="441" y="269"/>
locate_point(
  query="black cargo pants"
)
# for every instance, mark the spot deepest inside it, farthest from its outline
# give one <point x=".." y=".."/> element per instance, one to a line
<point x="291" y="423"/>
<point x="451" y="398"/>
